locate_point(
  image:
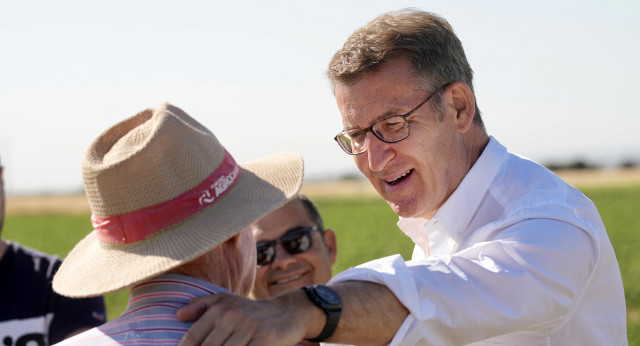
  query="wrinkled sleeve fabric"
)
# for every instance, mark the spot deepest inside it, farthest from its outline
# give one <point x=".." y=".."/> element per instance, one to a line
<point x="528" y="276"/>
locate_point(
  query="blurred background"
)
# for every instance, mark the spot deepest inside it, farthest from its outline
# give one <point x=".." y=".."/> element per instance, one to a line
<point x="555" y="80"/>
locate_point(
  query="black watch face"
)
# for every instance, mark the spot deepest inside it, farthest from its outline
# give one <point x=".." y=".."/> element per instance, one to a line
<point x="328" y="295"/>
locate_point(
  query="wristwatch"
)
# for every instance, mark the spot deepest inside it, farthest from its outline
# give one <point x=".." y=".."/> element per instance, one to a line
<point x="329" y="301"/>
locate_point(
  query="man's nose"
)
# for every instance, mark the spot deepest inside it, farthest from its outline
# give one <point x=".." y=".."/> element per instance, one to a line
<point x="378" y="152"/>
<point x="282" y="258"/>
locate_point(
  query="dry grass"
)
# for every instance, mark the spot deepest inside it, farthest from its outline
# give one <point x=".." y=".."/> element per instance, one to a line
<point x="76" y="204"/>
<point x="601" y="177"/>
<point x="71" y="204"/>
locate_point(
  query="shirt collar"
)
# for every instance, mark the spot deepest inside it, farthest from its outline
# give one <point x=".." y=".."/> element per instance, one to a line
<point x="164" y="286"/>
<point x="446" y="228"/>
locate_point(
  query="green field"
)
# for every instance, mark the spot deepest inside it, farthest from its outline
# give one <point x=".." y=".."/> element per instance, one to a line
<point x="366" y="229"/>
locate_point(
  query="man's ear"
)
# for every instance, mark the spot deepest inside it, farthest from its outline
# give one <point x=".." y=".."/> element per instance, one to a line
<point x="233" y="240"/>
<point x="332" y="244"/>
<point x="459" y="97"/>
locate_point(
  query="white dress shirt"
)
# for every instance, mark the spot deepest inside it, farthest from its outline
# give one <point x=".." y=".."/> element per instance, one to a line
<point x="514" y="257"/>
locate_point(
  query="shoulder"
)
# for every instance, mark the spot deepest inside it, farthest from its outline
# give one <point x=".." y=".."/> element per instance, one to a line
<point x="90" y="337"/>
<point x="527" y="180"/>
<point x="527" y="190"/>
<point x="29" y="259"/>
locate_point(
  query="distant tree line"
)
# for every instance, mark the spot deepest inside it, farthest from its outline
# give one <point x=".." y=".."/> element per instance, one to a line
<point x="554" y="166"/>
<point x="581" y="164"/>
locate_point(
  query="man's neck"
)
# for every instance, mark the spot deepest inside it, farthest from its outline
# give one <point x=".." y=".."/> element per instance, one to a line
<point x="3" y="248"/>
<point x="476" y="141"/>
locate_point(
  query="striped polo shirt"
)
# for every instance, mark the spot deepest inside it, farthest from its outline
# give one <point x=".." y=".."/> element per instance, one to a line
<point x="150" y="316"/>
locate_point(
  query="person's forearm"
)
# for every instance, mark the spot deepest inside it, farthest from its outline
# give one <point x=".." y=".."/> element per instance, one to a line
<point x="371" y="314"/>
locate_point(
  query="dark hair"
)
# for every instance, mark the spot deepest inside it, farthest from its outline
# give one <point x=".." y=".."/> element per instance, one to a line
<point x="426" y="39"/>
<point x="312" y="211"/>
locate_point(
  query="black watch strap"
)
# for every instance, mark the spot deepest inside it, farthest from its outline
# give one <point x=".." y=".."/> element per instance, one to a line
<point x="329" y="301"/>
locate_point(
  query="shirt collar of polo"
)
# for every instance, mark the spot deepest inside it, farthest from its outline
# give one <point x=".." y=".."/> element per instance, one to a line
<point x="447" y="227"/>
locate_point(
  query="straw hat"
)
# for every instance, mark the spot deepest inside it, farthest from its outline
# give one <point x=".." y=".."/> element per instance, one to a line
<point x="164" y="191"/>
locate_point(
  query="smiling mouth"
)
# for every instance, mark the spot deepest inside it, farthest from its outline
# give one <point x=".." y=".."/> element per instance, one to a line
<point x="400" y="178"/>
<point x="287" y="280"/>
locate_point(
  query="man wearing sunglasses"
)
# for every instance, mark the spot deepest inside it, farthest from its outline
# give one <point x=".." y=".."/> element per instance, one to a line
<point x="506" y="253"/>
<point x="293" y="249"/>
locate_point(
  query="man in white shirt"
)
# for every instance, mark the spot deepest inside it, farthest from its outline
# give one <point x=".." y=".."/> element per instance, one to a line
<point x="506" y="252"/>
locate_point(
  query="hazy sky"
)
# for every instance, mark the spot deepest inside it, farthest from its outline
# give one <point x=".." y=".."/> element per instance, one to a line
<point x="555" y="80"/>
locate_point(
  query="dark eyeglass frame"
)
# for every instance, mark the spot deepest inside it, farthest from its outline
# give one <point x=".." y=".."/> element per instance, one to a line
<point x="293" y="235"/>
<point x="346" y="147"/>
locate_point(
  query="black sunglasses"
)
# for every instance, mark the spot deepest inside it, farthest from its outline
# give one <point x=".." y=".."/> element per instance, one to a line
<point x="295" y="241"/>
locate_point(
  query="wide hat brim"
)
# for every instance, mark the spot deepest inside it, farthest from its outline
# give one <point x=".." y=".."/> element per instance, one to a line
<point x="95" y="268"/>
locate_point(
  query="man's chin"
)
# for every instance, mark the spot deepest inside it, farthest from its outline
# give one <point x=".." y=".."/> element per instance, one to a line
<point x="406" y="210"/>
<point x="279" y="288"/>
<point x="400" y="209"/>
<point x="257" y="296"/>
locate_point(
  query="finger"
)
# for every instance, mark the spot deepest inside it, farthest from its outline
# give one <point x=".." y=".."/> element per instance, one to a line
<point x="215" y="327"/>
<point x="237" y="330"/>
<point x="199" y="331"/>
<point x="191" y="312"/>
<point x="205" y="323"/>
<point x="195" y="308"/>
<point x="239" y="338"/>
<point x="230" y="334"/>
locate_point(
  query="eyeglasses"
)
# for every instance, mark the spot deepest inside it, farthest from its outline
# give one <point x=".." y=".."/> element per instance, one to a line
<point x="295" y="241"/>
<point x="391" y="129"/>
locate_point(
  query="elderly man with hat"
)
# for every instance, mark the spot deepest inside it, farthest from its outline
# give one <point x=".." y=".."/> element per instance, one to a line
<point x="171" y="214"/>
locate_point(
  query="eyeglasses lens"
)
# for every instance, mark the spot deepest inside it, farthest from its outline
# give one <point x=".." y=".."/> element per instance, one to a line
<point x="294" y="242"/>
<point x="344" y="140"/>
<point x="266" y="252"/>
<point x="390" y="130"/>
